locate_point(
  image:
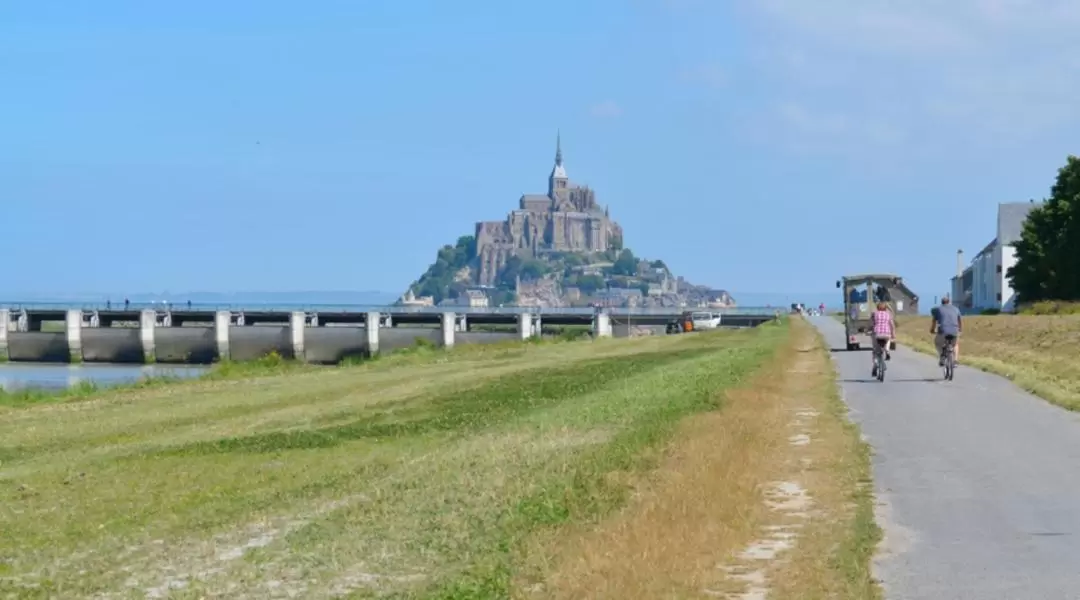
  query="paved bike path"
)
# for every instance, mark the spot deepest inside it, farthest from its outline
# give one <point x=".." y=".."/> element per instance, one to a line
<point x="977" y="482"/>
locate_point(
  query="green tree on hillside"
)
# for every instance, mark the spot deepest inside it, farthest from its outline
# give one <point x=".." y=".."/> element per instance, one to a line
<point x="439" y="277"/>
<point x="1048" y="252"/>
<point x="572" y="260"/>
<point x="590" y="283"/>
<point x="626" y="264"/>
<point x="507" y="276"/>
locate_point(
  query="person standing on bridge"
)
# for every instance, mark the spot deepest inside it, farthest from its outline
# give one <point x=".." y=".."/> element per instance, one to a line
<point x="946" y="321"/>
<point x="884" y="333"/>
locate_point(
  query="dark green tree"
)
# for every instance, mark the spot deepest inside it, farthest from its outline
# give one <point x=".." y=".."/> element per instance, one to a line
<point x="439" y="277"/>
<point x="1048" y="251"/>
<point x="626" y="264"/>
<point x="507" y="277"/>
<point x="533" y="269"/>
<point x="590" y="283"/>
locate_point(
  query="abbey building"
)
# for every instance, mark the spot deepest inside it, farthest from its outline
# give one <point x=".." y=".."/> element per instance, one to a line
<point x="565" y="219"/>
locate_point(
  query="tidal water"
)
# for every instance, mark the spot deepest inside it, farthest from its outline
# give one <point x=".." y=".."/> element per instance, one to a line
<point x="17" y="376"/>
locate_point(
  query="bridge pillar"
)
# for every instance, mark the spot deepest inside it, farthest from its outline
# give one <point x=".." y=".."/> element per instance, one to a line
<point x="222" y="322"/>
<point x="448" y="321"/>
<point x="371" y="325"/>
<point x="297" y="322"/>
<point x="23" y="324"/>
<point x="147" y="328"/>
<point x="602" y="325"/>
<point x="537" y="325"/>
<point x="73" y="327"/>
<point x="5" y="324"/>
<point x="525" y="326"/>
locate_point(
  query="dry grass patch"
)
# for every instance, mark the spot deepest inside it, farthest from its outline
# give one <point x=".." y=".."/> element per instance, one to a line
<point x="1038" y="352"/>
<point x="699" y="505"/>
<point x="728" y="512"/>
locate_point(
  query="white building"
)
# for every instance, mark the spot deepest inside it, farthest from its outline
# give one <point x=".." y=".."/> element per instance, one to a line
<point x="983" y="285"/>
<point x="410" y="299"/>
<point x="474" y="299"/>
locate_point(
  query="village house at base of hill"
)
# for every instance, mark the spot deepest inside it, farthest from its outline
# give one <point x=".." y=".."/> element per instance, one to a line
<point x="555" y="250"/>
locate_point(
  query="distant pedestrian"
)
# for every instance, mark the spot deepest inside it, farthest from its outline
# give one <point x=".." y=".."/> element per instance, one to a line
<point x="108" y="305"/>
<point x="127" y="304"/>
<point x="189" y="304"/>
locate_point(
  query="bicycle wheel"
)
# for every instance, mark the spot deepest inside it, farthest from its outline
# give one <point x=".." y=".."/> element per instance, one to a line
<point x="881" y="366"/>
<point x="950" y="363"/>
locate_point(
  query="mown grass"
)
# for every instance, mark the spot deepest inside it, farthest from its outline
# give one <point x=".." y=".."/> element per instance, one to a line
<point x="689" y="520"/>
<point x="1037" y="352"/>
<point x="415" y="475"/>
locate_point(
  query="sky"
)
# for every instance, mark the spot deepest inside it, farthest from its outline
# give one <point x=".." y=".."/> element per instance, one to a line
<point x="755" y="146"/>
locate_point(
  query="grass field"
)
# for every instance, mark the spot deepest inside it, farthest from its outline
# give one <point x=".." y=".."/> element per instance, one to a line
<point x="486" y="472"/>
<point x="1038" y="352"/>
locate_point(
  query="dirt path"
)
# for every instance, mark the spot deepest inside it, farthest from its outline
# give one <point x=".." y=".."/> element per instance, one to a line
<point x="761" y="498"/>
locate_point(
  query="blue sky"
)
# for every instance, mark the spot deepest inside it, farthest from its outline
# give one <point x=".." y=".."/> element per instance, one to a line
<point x="756" y="146"/>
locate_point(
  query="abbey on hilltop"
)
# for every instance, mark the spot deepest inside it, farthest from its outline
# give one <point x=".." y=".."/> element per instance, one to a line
<point x="565" y="219"/>
<point x="556" y="249"/>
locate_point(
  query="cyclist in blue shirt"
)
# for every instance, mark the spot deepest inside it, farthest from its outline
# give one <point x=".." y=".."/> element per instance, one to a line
<point x="946" y="321"/>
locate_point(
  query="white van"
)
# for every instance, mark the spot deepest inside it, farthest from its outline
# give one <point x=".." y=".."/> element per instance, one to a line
<point x="705" y="320"/>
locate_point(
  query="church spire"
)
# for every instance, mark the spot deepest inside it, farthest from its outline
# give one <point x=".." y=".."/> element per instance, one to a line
<point x="558" y="180"/>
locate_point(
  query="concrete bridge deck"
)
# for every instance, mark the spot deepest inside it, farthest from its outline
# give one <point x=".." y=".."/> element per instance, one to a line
<point x="317" y="333"/>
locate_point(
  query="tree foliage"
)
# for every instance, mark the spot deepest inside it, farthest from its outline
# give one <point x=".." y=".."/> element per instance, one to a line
<point x="590" y="283"/>
<point x="1048" y="251"/>
<point x="626" y="264"/>
<point x="438" y="280"/>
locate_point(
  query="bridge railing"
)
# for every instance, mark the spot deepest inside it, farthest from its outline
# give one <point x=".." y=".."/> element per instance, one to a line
<point x="363" y="308"/>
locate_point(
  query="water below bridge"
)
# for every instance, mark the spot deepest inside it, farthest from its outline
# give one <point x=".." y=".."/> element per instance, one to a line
<point x="51" y="376"/>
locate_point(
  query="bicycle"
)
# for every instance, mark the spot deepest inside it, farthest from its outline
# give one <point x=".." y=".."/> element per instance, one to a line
<point x="880" y="348"/>
<point x="949" y="354"/>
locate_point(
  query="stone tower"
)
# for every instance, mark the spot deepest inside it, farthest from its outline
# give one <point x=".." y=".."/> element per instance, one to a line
<point x="558" y="182"/>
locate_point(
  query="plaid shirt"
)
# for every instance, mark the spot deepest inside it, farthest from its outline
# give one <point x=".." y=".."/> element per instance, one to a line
<point x="883" y="324"/>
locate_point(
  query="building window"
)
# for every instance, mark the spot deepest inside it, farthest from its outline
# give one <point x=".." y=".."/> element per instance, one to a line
<point x="999" y="268"/>
<point x="999" y="296"/>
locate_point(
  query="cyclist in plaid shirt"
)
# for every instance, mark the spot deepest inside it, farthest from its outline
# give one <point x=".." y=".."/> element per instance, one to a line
<point x="884" y="332"/>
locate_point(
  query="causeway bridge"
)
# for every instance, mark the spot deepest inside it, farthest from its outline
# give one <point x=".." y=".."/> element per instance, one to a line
<point x="324" y="334"/>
